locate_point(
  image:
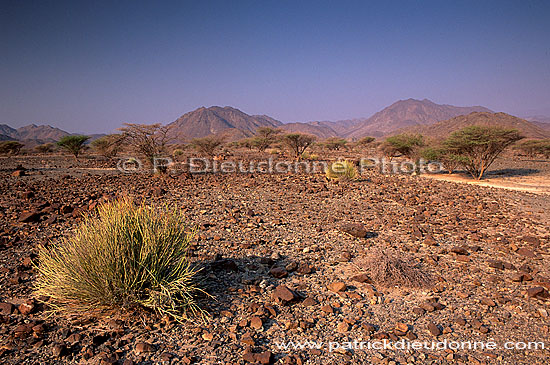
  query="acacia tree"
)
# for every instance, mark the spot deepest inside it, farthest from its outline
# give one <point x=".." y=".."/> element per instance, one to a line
<point x="10" y="147"/>
<point x="362" y="143"/>
<point x="335" y="143"/>
<point x="406" y="144"/>
<point x="73" y="144"/>
<point x="110" y="145"/>
<point x="480" y="146"/>
<point x="44" y="148"/>
<point x="150" y="140"/>
<point x="298" y="143"/>
<point x="264" y="138"/>
<point x="451" y="161"/>
<point x="532" y="148"/>
<point x="207" y="146"/>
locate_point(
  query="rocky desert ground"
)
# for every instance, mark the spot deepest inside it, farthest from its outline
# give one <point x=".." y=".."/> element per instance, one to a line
<point x="283" y="256"/>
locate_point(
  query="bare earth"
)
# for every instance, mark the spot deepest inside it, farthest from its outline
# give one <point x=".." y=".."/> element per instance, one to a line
<point x="487" y="249"/>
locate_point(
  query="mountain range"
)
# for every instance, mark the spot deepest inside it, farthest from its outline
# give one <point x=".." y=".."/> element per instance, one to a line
<point x="34" y="134"/>
<point x="406" y="113"/>
<point x="411" y="115"/>
<point x="443" y="128"/>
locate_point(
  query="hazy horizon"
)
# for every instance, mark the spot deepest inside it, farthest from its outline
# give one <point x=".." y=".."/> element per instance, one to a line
<point x="90" y="66"/>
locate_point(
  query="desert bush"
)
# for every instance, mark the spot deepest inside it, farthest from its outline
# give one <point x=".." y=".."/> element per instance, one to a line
<point x="450" y="160"/>
<point x="125" y="256"/>
<point x="480" y="146"/>
<point x="533" y="148"/>
<point x="334" y="143"/>
<point x="10" y="147"/>
<point x="177" y="153"/>
<point x="365" y="141"/>
<point x="309" y="156"/>
<point x="297" y="143"/>
<point x="73" y="144"/>
<point x="389" y="268"/>
<point x="110" y="145"/>
<point x="405" y="144"/>
<point x="341" y="170"/>
<point x="264" y="138"/>
<point x="207" y="146"/>
<point x="44" y="148"/>
<point x="150" y="140"/>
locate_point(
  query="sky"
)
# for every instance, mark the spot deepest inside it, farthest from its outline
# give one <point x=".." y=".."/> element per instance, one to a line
<point x="89" y="66"/>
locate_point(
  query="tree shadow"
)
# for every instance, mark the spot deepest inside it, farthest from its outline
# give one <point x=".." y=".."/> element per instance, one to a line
<point x="510" y="172"/>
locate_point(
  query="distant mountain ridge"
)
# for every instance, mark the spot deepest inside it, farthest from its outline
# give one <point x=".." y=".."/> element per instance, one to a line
<point x="44" y="133"/>
<point x="317" y="129"/>
<point x="234" y="124"/>
<point x="444" y="128"/>
<point x="217" y="120"/>
<point x="405" y="113"/>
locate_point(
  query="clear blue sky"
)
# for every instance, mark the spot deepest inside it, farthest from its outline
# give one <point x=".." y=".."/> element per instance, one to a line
<point x="88" y="66"/>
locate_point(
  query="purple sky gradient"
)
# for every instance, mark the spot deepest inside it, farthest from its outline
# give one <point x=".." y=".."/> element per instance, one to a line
<point x="88" y="66"/>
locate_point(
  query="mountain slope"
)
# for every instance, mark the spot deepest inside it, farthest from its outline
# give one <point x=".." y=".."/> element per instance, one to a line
<point x="215" y="120"/>
<point x="406" y="113"/>
<point x="40" y="132"/>
<point x="444" y="128"/>
<point x="8" y="131"/>
<point x="319" y="130"/>
<point x="33" y="132"/>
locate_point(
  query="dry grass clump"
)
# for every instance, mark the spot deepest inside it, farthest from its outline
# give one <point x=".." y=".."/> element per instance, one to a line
<point x="344" y="170"/>
<point x="389" y="269"/>
<point x="128" y="255"/>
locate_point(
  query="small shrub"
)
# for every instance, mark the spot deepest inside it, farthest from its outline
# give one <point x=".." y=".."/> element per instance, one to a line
<point x="177" y="153"/>
<point x="309" y="156"/>
<point x="389" y="269"/>
<point x="127" y="255"/>
<point x="335" y="143"/>
<point x="207" y="146"/>
<point x="341" y="170"/>
<point x="44" y="148"/>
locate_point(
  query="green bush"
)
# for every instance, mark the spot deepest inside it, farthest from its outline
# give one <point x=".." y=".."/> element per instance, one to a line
<point x="450" y="160"/>
<point x="532" y="148"/>
<point x="127" y="256"/>
<point x="44" y="148"/>
<point x="405" y="144"/>
<point x="341" y="170"/>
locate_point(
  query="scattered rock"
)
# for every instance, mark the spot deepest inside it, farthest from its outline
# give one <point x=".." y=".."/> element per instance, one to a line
<point x="6" y="308"/>
<point x="354" y="229"/>
<point x="278" y="272"/>
<point x="538" y="292"/>
<point x="283" y="295"/>
<point x="337" y="286"/>
<point x="143" y="347"/>
<point x="59" y="350"/>
<point x="459" y="250"/>
<point x="433" y="329"/>
<point x="361" y="278"/>
<point x="256" y="322"/>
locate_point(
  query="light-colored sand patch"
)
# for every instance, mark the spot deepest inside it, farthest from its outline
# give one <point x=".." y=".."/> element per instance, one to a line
<point x="533" y="184"/>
